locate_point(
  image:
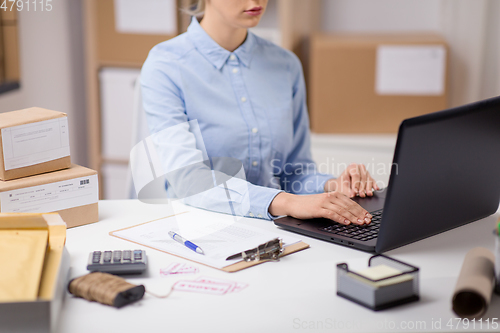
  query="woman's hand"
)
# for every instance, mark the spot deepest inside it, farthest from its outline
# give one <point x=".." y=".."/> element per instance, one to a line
<point x="355" y="180"/>
<point x="332" y="205"/>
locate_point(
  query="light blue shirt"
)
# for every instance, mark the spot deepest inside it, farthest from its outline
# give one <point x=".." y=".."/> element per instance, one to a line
<point x="250" y="104"/>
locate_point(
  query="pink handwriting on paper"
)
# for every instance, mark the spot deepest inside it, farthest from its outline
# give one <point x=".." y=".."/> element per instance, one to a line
<point x="235" y="286"/>
<point x="202" y="287"/>
<point x="178" y="268"/>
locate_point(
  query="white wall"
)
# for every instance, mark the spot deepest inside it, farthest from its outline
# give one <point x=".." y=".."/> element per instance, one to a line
<point x="52" y="74"/>
<point x="491" y="69"/>
<point x="470" y="27"/>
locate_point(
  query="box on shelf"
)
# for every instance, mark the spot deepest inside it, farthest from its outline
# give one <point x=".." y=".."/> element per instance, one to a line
<point x="72" y="192"/>
<point x="370" y="83"/>
<point x="32" y="302"/>
<point x="33" y="141"/>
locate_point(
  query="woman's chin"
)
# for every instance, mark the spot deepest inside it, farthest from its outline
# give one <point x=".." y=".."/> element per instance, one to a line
<point x="249" y="21"/>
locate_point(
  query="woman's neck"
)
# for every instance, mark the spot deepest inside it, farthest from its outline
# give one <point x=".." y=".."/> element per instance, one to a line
<point x="224" y="34"/>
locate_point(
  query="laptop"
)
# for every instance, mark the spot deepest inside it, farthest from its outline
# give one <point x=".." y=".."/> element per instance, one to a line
<point x="445" y="173"/>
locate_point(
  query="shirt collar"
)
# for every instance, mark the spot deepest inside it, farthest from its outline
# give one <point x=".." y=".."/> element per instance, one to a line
<point x="216" y="54"/>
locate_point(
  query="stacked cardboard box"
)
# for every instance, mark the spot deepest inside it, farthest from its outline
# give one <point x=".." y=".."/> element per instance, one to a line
<point x="36" y="174"/>
<point x="362" y="83"/>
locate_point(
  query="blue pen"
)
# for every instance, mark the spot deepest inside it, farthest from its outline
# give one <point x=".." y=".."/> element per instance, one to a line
<point x="178" y="238"/>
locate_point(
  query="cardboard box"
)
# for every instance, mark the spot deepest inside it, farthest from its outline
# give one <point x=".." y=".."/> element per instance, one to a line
<point x="113" y="46"/>
<point x="9" y="34"/>
<point x="40" y="315"/>
<point x="33" y="141"/>
<point x="370" y="83"/>
<point x="73" y="193"/>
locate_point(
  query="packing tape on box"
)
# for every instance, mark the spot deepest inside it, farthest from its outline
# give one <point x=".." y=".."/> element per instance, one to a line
<point x="475" y="284"/>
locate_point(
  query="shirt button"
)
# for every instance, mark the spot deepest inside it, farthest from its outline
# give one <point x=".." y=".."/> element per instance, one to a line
<point x="255" y="163"/>
<point x="254" y="130"/>
<point x="235" y="70"/>
<point x="232" y="57"/>
<point x="250" y="214"/>
<point x="243" y="99"/>
<point x="259" y="216"/>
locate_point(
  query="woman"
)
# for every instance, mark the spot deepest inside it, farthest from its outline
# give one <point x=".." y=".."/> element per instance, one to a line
<point x="248" y="98"/>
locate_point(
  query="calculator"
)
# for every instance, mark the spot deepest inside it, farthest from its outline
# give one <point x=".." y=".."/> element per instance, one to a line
<point x="118" y="262"/>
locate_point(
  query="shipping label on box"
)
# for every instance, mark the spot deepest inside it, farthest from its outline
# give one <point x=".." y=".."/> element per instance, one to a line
<point x="51" y="197"/>
<point x="35" y="143"/>
<point x="410" y="70"/>
<point x="72" y="192"/>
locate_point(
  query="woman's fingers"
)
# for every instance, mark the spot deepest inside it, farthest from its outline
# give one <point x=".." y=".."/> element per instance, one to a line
<point x="345" y="210"/>
<point x="353" y="172"/>
<point x="342" y="214"/>
<point x="334" y="216"/>
<point x="371" y="185"/>
<point x="362" y="186"/>
<point x="361" y="214"/>
<point x="355" y="180"/>
<point x="347" y="185"/>
<point x="332" y="205"/>
<point x="359" y="180"/>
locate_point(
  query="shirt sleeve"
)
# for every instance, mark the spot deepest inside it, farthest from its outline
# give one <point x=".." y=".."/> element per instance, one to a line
<point x="300" y="176"/>
<point x="180" y="149"/>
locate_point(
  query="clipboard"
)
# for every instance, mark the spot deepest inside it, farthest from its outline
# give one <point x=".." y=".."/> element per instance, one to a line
<point x="292" y="248"/>
<point x="245" y="264"/>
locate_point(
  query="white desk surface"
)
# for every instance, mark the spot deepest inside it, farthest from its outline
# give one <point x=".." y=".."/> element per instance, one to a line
<point x="297" y="294"/>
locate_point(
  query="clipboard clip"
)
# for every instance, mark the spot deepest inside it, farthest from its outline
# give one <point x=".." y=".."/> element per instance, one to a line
<point x="271" y="250"/>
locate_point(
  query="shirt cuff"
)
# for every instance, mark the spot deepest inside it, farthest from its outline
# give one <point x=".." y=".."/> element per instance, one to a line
<point x="321" y="181"/>
<point x="260" y="200"/>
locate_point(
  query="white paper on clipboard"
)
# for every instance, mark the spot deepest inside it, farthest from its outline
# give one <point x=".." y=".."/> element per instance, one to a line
<point x="410" y="70"/>
<point x="150" y="17"/>
<point x="219" y="235"/>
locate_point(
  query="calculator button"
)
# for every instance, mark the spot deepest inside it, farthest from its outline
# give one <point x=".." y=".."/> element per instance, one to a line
<point x="96" y="260"/>
<point x="117" y="256"/>
<point x="107" y="256"/>
<point x="127" y="255"/>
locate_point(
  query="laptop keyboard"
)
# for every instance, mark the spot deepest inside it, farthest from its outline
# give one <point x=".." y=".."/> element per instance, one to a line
<point x="358" y="232"/>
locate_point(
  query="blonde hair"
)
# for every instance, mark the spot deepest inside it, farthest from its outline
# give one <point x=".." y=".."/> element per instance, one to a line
<point x="195" y="8"/>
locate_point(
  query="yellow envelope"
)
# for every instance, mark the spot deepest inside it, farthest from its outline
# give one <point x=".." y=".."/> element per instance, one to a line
<point x="22" y="263"/>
